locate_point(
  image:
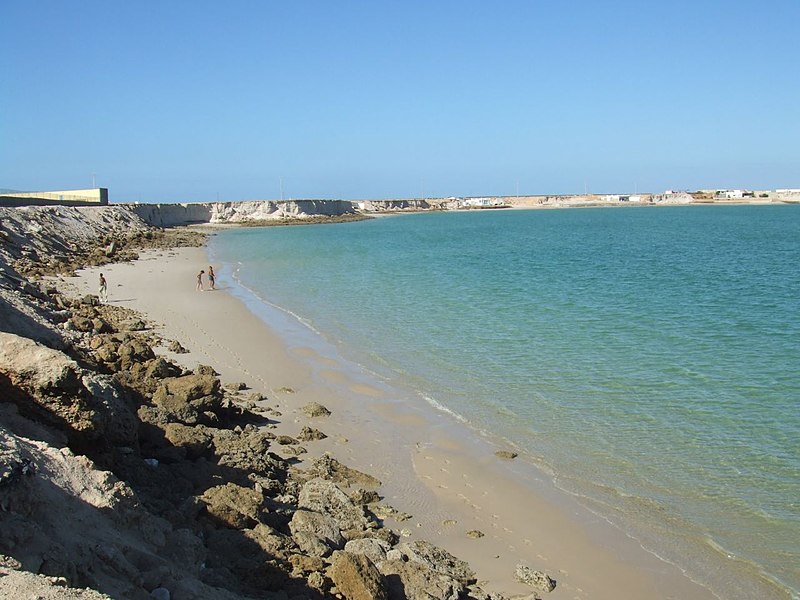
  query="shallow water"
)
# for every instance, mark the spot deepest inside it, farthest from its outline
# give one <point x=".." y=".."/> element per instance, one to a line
<point x="646" y="357"/>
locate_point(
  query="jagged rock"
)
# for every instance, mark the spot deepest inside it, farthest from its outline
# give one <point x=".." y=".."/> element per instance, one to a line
<point x="134" y="351"/>
<point x="234" y="506"/>
<point x="160" y="368"/>
<point x="134" y="325"/>
<point x="364" y="497"/>
<point x="411" y="580"/>
<point x="475" y="534"/>
<point x="303" y="565"/>
<point x="507" y="454"/>
<point x="176" y="347"/>
<point x="327" y="498"/>
<point x="308" y="434"/>
<point x="29" y="364"/>
<point x="206" y="370"/>
<point x="196" y="441"/>
<point x="384" y="511"/>
<point x="187" y="398"/>
<point x="372" y="548"/>
<point x="115" y="419"/>
<point x="536" y="579"/>
<point x="81" y="324"/>
<point x="271" y="541"/>
<point x="356" y="578"/>
<point x="100" y="326"/>
<point x="315" y="409"/>
<point x="316" y="533"/>
<point x="328" y="467"/>
<point x="438" y="559"/>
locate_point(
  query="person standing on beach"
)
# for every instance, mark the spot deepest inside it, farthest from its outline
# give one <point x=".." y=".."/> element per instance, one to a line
<point x="103" y="291"/>
<point x="211" y="277"/>
<point x="200" y="280"/>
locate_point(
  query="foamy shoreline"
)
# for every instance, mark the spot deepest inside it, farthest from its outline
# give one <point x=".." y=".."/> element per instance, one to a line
<point x="436" y="470"/>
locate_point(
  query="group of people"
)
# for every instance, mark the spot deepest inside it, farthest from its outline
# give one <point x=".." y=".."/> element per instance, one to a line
<point x="102" y="291"/>
<point x="211" y="278"/>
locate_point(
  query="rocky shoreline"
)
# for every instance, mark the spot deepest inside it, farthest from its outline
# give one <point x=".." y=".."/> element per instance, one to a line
<point x="125" y="475"/>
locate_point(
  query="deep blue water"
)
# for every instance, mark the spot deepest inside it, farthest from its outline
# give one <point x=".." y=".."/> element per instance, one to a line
<point x="648" y="358"/>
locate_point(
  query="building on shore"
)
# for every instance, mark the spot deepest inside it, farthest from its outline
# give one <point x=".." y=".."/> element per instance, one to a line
<point x="87" y="197"/>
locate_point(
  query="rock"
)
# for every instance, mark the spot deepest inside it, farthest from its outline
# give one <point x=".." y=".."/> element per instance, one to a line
<point x="134" y="325"/>
<point x="32" y="365"/>
<point x="100" y="326"/>
<point x="81" y="324"/>
<point x="535" y="579"/>
<point x="234" y="506"/>
<point x="134" y="351"/>
<point x="326" y="497"/>
<point x="316" y="533"/>
<point x="285" y="440"/>
<point x="439" y="560"/>
<point x="271" y="541"/>
<point x="188" y="398"/>
<point x="160" y="593"/>
<point x="507" y="454"/>
<point x="475" y="534"/>
<point x="364" y="497"/>
<point x="328" y="467"/>
<point x="176" y="347"/>
<point x="235" y="387"/>
<point x="159" y="368"/>
<point x="315" y="409"/>
<point x="196" y="441"/>
<point x="410" y="580"/>
<point x="356" y="578"/>
<point x="308" y="434"/>
<point x="114" y="418"/>
<point x="372" y="548"/>
<point x="384" y="511"/>
<point x="206" y="370"/>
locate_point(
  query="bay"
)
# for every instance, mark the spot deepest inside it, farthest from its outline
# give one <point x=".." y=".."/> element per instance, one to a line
<point x="647" y="358"/>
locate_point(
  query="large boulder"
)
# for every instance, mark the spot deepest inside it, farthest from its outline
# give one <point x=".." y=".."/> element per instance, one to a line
<point x="356" y="578"/>
<point x="316" y="533"/>
<point x="438" y="560"/>
<point x="189" y="398"/>
<point x="50" y="386"/>
<point x="234" y="506"/>
<point x="374" y="549"/>
<point x="412" y="580"/>
<point x="326" y="497"/>
<point x="36" y="367"/>
<point x="327" y="467"/>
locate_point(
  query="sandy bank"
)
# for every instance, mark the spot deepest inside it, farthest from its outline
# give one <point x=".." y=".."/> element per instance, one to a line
<point x="448" y="480"/>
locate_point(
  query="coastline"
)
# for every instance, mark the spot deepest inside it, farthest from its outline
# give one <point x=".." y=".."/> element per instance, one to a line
<point x="436" y="471"/>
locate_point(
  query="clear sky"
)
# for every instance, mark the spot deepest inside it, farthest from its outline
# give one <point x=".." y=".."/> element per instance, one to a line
<point x="194" y="100"/>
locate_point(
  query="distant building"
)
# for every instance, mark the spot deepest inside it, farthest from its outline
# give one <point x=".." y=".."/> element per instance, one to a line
<point x="730" y="194"/>
<point x="87" y="197"/>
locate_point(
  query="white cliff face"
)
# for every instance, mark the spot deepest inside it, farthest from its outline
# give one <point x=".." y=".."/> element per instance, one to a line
<point x="267" y="210"/>
<point x="169" y="215"/>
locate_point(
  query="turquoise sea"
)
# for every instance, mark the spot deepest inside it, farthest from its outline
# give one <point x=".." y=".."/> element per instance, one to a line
<point x="648" y="359"/>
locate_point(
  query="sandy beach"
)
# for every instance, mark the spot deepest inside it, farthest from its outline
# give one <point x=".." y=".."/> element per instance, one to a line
<point x="493" y="512"/>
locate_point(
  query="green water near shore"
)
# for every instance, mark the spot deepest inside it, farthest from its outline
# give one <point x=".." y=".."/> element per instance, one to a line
<point x="647" y="358"/>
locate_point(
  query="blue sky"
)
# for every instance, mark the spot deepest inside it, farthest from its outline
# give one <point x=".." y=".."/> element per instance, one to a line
<point x="193" y="101"/>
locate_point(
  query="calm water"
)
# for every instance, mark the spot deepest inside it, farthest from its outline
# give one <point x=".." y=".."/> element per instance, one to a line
<point x="648" y="358"/>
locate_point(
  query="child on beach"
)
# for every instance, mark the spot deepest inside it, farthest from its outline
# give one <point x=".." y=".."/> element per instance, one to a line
<point x="200" y="280"/>
<point x="211" y="277"/>
<point x="103" y="291"/>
